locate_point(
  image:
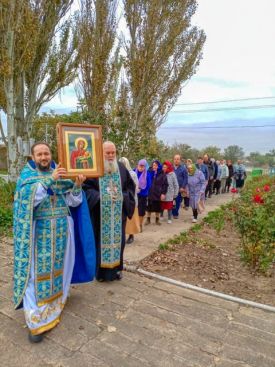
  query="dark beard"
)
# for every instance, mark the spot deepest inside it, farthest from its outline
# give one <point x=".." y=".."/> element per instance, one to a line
<point x="43" y="168"/>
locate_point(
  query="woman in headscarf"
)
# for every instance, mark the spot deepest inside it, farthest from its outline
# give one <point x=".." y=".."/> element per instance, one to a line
<point x="239" y="174"/>
<point x="144" y="184"/>
<point x="132" y="225"/>
<point x="173" y="189"/>
<point x="157" y="192"/>
<point x="195" y="189"/>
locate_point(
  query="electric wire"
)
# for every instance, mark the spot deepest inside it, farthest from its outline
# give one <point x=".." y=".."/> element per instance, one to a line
<point x="224" y="101"/>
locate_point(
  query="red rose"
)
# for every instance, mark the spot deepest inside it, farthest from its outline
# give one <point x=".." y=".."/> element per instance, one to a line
<point x="258" y="199"/>
<point x="266" y="188"/>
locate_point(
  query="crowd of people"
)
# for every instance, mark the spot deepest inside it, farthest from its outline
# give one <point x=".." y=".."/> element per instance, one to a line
<point x="167" y="186"/>
<point x="72" y="231"/>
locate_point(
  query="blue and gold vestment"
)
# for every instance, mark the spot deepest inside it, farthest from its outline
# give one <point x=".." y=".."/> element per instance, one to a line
<point x="50" y="236"/>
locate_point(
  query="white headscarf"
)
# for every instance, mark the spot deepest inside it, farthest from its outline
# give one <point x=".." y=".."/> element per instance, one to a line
<point x="126" y="163"/>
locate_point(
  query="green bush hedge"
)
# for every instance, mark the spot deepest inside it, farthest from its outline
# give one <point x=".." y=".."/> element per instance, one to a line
<point x="6" y="203"/>
<point x="255" y="220"/>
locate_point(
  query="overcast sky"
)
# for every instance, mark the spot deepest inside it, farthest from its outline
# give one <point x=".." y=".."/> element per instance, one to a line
<point x="238" y="63"/>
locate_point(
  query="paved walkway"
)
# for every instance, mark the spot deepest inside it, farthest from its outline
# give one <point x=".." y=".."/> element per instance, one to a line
<point x="137" y="322"/>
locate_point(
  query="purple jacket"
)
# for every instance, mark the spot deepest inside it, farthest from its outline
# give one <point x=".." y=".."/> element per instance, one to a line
<point x="196" y="187"/>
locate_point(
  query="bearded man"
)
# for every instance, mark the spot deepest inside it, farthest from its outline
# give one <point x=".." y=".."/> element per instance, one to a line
<point x="51" y="246"/>
<point x="111" y="200"/>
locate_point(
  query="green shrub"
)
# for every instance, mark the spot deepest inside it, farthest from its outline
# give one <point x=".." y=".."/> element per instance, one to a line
<point x="163" y="246"/>
<point x="6" y="202"/>
<point x="254" y="218"/>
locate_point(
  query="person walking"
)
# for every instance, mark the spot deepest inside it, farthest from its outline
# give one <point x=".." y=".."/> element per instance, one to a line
<point x="195" y="189"/>
<point x="111" y="199"/>
<point x="132" y="225"/>
<point x="202" y="167"/>
<point x="54" y="242"/>
<point x="217" y="179"/>
<point x="173" y="189"/>
<point x="224" y="175"/>
<point x="239" y="174"/>
<point x="230" y="175"/>
<point x="181" y="173"/>
<point x="144" y="184"/>
<point x="157" y="192"/>
<point x="211" y="172"/>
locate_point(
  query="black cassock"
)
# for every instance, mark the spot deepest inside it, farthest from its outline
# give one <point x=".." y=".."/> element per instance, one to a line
<point x="91" y="188"/>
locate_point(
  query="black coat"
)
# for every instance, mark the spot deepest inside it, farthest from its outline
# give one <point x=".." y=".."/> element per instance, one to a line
<point x="91" y="188"/>
<point x="159" y="186"/>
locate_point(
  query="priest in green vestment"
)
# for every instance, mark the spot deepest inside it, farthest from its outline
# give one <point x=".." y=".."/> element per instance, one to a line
<point x="111" y="200"/>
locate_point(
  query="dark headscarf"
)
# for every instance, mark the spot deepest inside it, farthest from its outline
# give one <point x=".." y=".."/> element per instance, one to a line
<point x="159" y="167"/>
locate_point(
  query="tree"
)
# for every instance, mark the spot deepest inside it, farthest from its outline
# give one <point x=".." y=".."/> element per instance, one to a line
<point x="38" y="58"/>
<point x="260" y="160"/>
<point x="132" y="91"/>
<point x="233" y="152"/>
<point x="271" y="158"/>
<point x="162" y="52"/>
<point x="99" y="56"/>
<point x="212" y="151"/>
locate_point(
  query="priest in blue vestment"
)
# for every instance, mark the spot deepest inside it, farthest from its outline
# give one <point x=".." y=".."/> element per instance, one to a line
<point x="111" y="199"/>
<point x="53" y="241"/>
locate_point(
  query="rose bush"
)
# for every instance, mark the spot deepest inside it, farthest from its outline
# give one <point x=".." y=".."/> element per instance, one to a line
<point x="254" y="218"/>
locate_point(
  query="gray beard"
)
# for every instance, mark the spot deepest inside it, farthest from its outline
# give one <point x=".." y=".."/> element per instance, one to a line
<point x="110" y="167"/>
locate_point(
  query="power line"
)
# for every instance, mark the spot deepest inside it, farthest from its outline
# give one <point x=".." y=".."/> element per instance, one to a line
<point x="216" y="127"/>
<point x="224" y="101"/>
<point x="225" y="109"/>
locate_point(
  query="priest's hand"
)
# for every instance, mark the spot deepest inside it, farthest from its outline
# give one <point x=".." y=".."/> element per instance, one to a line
<point x="58" y="172"/>
<point x="79" y="180"/>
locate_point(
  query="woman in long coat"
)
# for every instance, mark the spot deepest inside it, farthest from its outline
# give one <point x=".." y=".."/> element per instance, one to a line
<point x="195" y="189"/>
<point x="132" y="225"/>
<point x="157" y="192"/>
<point x="173" y="189"/>
<point x="239" y="174"/>
<point x="144" y="184"/>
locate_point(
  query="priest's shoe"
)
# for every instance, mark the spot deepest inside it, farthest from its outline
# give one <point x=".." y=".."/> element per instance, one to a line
<point x="35" y="338"/>
<point x="119" y="275"/>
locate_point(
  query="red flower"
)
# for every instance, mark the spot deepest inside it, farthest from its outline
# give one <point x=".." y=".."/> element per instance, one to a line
<point x="233" y="190"/>
<point x="258" y="199"/>
<point x="266" y="188"/>
<point x="258" y="189"/>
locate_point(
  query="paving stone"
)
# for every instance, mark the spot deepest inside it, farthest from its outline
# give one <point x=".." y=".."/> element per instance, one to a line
<point x="250" y="357"/>
<point x="251" y="343"/>
<point x="197" y="296"/>
<point x="79" y="359"/>
<point x="255" y="321"/>
<point x="243" y="329"/>
<point x="227" y="363"/>
<point x="111" y="354"/>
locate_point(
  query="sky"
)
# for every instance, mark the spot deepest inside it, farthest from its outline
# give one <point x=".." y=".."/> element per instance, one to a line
<point x="238" y="64"/>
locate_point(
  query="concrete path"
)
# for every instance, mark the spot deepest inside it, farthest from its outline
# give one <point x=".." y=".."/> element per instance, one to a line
<point x="137" y="322"/>
<point x="148" y="241"/>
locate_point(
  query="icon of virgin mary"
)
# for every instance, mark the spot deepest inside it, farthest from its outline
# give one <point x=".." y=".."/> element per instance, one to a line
<point x="81" y="158"/>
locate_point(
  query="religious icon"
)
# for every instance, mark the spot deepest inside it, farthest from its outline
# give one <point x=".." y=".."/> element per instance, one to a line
<point x="81" y="157"/>
<point x="80" y="149"/>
